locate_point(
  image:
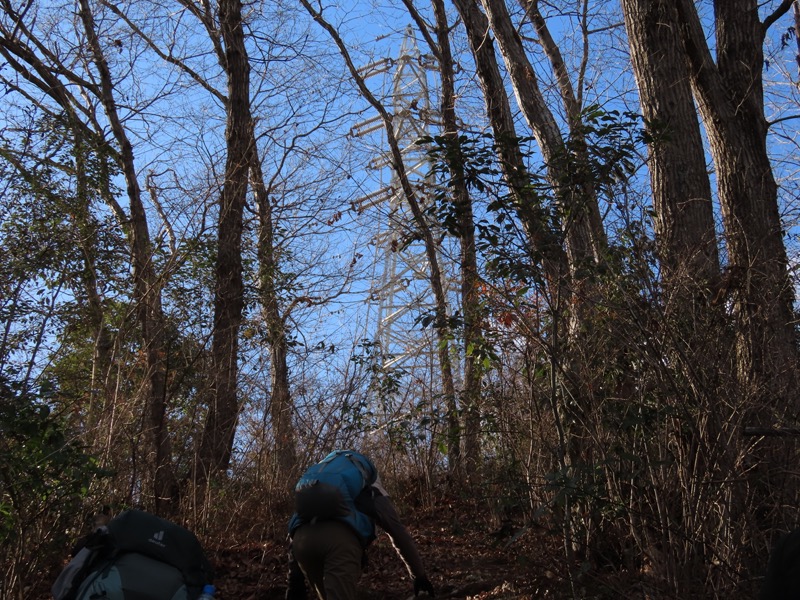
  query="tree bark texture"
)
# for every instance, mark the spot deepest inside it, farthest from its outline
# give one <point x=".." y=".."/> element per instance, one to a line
<point x="585" y="238"/>
<point x="223" y="410"/>
<point x="729" y="95"/>
<point x="281" y="408"/>
<point x="470" y="281"/>
<point x="572" y="98"/>
<point x="542" y="242"/>
<point x="684" y="219"/>
<point x="687" y="251"/>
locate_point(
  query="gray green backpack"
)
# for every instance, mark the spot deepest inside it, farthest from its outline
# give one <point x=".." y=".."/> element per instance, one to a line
<point x="138" y="556"/>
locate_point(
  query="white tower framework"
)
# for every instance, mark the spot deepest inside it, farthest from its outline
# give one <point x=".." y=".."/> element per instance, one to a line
<point x="401" y="287"/>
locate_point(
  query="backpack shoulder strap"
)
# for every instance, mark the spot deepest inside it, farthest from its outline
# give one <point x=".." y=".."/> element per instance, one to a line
<point x="361" y="468"/>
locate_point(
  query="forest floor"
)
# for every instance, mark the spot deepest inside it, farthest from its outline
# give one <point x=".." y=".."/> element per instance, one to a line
<point x="466" y="557"/>
<point x="469" y="553"/>
<point x="466" y="563"/>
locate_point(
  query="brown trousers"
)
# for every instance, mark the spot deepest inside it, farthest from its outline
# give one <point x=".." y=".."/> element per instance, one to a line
<point x="329" y="553"/>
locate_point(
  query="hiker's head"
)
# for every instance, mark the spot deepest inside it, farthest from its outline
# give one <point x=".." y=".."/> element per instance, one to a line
<point x="100" y="518"/>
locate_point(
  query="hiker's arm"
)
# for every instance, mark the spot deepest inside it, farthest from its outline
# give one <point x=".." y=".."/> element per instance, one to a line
<point x="387" y="517"/>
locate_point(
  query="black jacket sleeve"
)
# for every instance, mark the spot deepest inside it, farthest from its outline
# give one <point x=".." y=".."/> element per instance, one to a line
<point x="387" y="518"/>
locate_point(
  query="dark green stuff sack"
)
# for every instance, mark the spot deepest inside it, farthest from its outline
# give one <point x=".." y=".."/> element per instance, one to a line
<point x="138" y="556"/>
<point x="134" y="576"/>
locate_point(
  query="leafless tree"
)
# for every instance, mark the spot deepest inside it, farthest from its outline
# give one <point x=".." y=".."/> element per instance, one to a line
<point x="728" y="87"/>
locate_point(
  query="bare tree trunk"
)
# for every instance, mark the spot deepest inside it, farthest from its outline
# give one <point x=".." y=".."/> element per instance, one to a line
<point x="730" y="99"/>
<point x="542" y="242"/>
<point x="470" y="280"/>
<point x="146" y="285"/>
<point x="223" y="411"/>
<point x="688" y="256"/>
<point x="280" y="406"/>
<point x="684" y="219"/>
<point x="728" y="88"/>
<point x="573" y="105"/>
<point x="570" y="176"/>
<point x="586" y="241"/>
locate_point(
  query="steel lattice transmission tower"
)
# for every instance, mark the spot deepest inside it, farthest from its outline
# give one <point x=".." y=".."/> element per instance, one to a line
<point x="401" y="285"/>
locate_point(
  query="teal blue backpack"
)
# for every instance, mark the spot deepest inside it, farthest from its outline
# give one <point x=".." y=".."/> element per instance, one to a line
<point x="328" y="491"/>
<point x="138" y="556"/>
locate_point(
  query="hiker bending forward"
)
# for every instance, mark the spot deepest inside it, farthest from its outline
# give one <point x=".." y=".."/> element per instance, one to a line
<point x="338" y="502"/>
